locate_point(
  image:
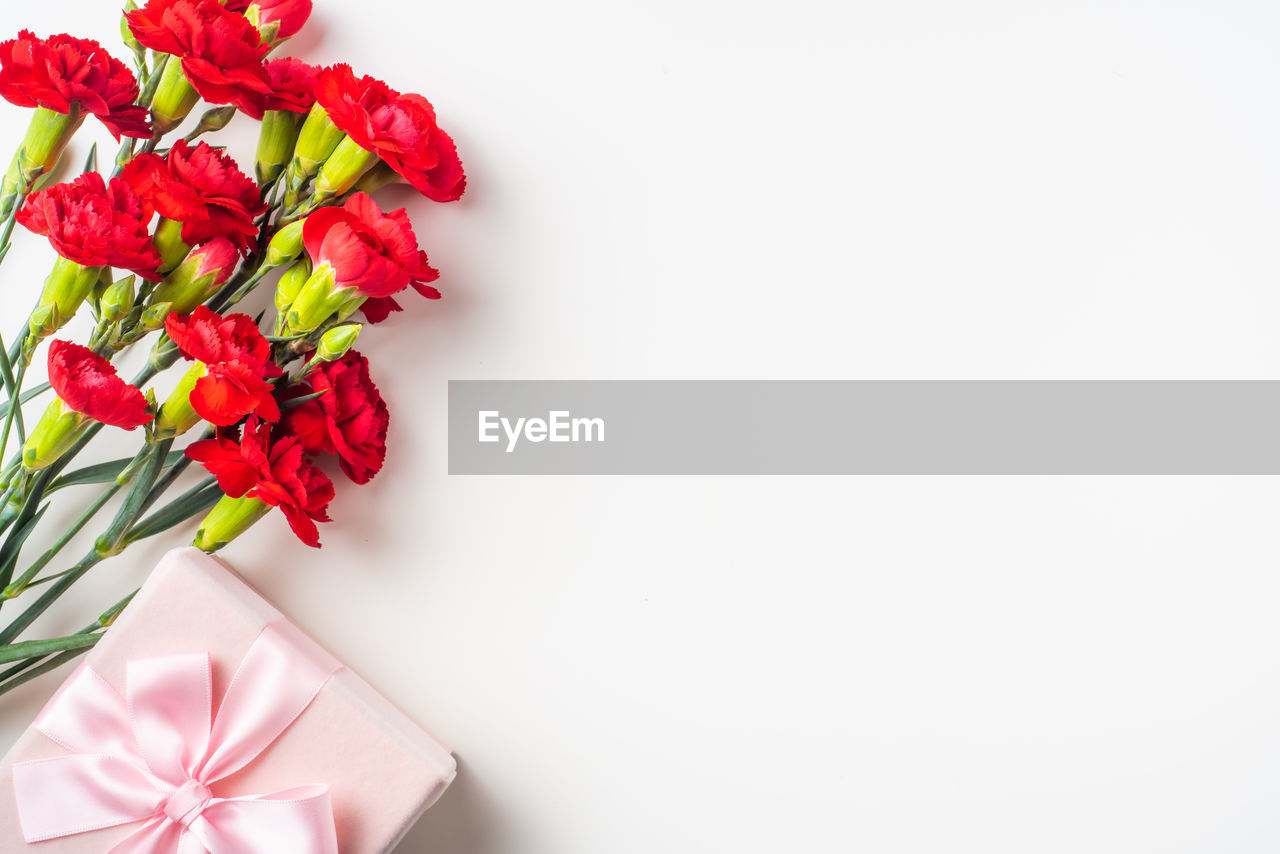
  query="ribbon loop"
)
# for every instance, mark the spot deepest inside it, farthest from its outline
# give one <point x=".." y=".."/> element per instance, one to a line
<point x="153" y="757"/>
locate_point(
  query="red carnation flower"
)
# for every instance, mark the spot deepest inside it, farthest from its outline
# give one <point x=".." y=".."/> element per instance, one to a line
<point x="348" y="419"/>
<point x="202" y="188"/>
<point x="276" y="473"/>
<point x="88" y="383"/>
<point x="401" y="129"/>
<point x="94" y="224"/>
<point x="289" y="14"/>
<point x="237" y="362"/>
<point x="378" y="309"/>
<point x="374" y="252"/>
<point x="221" y="52"/>
<point x="60" y="72"/>
<point x="293" y="85"/>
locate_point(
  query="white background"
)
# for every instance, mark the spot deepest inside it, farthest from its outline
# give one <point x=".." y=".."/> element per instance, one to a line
<point x="705" y="189"/>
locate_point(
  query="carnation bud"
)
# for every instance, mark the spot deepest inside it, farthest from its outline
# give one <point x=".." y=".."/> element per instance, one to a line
<point x="126" y="34"/>
<point x="169" y="243"/>
<point x="214" y="120"/>
<point x="47" y="135"/>
<point x="335" y="342"/>
<point x="276" y="139"/>
<point x="55" y="432"/>
<point x="199" y="276"/>
<point x="343" y="169"/>
<point x="164" y="353"/>
<point x="286" y="244"/>
<point x="153" y="316"/>
<point x="67" y="286"/>
<point x="350" y="307"/>
<point x="316" y="141"/>
<point x="268" y="31"/>
<point x="228" y="519"/>
<point x="175" y="96"/>
<point x="288" y="288"/>
<point x="176" y="415"/>
<point x="318" y="301"/>
<point x="290" y="284"/>
<point x="117" y="299"/>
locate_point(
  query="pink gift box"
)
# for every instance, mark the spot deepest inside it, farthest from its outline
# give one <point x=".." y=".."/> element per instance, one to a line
<point x="383" y="771"/>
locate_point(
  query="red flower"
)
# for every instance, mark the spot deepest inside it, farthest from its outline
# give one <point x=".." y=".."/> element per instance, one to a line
<point x="202" y="188"/>
<point x="237" y="362"/>
<point x="348" y="419"/>
<point x="289" y="14"/>
<point x="293" y="85"/>
<point x="401" y="129"/>
<point x="94" y="224"/>
<point x="88" y="383"/>
<point x="221" y="52"/>
<point x="374" y="252"/>
<point x="378" y="309"/>
<point x="276" y="473"/>
<point x="60" y="71"/>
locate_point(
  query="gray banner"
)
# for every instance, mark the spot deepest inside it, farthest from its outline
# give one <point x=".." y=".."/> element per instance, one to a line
<point x="864" y="427"/>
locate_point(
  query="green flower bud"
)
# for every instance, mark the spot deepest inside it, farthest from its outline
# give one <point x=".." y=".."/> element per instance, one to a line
<point x="335" y="342"/>
<point x="288" y="288"/>
<point x="276" y="139"/>
<point x="269" y="31"/>
<point x="343" y="169"/>
<point x="164" y="353"/>
<point x="55" y="432"/>
<point x="47" y="135"/>
<point x="153" y="316"/>
<point x="290" y="284"/>
<point x="318" y="301"/>
<point x="174" y="98"/>
<point x="350" y="307"/>
<point x="176" y="414"/>
<point x="316" y="141"/>
<point x="117" y="299"/>
<point x="198" y="277"/>
<point x="126" y="34"/>
<point x="214" y="120"/>
<point x="168" y="241"/>
<point x="286" y="245"/>
<point x="228" y="519"/>
<point x="66" y="288"/>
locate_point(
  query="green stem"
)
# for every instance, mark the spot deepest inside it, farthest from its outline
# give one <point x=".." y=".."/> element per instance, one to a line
<point x="35" y="391"/>
<point x="12" y="677"/>
<point x="38" y="607"/>
<point x="25" y="580"/>
<point x="39" y="648"/>
<point x="227" y="297"/>
<point x="25" y="671"/>
<point x="148" y="94"/>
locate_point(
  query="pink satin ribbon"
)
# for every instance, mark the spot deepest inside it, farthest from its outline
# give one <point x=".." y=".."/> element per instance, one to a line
<point x="154" y="756"/>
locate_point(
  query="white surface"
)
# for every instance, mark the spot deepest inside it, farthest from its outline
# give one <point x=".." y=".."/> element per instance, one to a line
<point x="708" y="189"/>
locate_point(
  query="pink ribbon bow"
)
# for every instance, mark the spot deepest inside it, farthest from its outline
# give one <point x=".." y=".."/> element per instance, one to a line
<point x="154" y="757"/>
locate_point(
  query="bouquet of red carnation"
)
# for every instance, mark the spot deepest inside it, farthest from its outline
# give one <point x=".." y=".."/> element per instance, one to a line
<point x="160" y="251"/>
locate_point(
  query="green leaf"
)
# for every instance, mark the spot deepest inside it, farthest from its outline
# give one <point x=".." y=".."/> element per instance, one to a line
<point x="13" y="546"/>
<point x="103" y="472"/>
<point x="91" y="162"/>
<point x="25" y="672"/>
<point x="192" y="503"/>
<point x="286" y="405"/>
<point x="34" y="649"/>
